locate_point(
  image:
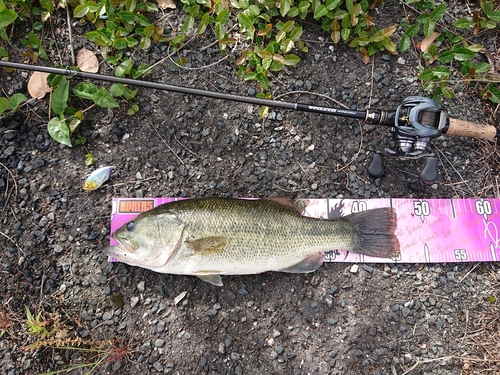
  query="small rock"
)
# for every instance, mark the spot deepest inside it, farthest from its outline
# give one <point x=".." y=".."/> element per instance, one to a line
<point x="354" y="268"/>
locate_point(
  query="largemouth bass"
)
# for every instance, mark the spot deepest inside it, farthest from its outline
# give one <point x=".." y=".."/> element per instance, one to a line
<point x="209" y="237"/>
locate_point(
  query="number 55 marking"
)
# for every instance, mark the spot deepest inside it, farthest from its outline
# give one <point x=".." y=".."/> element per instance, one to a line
<point x="460" y="254"/>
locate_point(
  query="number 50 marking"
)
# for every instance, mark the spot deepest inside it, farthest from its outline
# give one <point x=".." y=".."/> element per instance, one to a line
<point x="421" y="208"/>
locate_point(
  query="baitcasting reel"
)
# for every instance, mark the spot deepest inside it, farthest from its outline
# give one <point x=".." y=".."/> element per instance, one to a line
<point x="417" y="121"/>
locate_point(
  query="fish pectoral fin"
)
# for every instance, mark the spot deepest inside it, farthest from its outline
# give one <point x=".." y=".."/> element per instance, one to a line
<point x="213" y="279"/>
<point x="309" y="264"/>
<point x="208" y="245"/>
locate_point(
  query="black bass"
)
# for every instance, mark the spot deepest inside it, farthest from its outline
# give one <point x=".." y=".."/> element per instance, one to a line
<point x="209" y="237"/>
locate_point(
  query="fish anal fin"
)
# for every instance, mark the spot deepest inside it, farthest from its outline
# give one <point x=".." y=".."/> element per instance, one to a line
<point x="208" y="245"/>
<point x="213" y="279"/>
<point x="309" y="264"/>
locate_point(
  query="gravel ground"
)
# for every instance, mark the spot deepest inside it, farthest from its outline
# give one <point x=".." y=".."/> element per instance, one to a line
<point x="380" y="319"/>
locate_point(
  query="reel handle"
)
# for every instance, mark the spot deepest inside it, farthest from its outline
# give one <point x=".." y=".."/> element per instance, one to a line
<point x="461" y="128"/>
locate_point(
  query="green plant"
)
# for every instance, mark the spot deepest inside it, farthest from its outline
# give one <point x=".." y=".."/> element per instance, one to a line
<point x="274" y="37"/>
<point x="36" y="324"/>
<point x="446" y="52"/>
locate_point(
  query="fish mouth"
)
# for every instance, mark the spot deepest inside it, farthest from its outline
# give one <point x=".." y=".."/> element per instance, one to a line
<point x="115" y="252"/>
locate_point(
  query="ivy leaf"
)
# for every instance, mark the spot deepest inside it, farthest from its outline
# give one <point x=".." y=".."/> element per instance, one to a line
<point x="58" y="130"/>
<point x="4" y="104"/>
<point x="104" y="99"/>
<point x="85" y="90"/>
<point x="15" y="100"/>
<point x="60" y="96"/>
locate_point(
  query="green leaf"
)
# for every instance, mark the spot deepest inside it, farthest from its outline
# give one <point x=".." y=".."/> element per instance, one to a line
<point x="124" y="68"/>
<point x="60" y="96"/>
<point x="463" y="54"/>
<point x="493" y="94"/>
<point x="482" y="67"/>
<point x="223" y="16"/>
<point x="296" y="34"/>
<point x="117" y="89"/>
<point x="264" y="111"/>
<point x="120" y="43"/>
<point x="58" y="130"/>
<point x="438" y="13"/>
<point x="127" y="17"/>
<point x="263" y="81"/>
<point x="494" y="16"/>
<point x="7" y="16"/>
<point x="428" y="27"/>
<point x="447" y="92"/>
<point x="89" y="159"/>
<point x="320" y="11"/>
<point x="332" y="4"/>
<point x="463" y="23"/>
<point x="104" y="99"/>
<point x="85" y="90"/>
<point x="412" y="30"/>
<point x="285" y="7"/>
<point x="404" y="43"/>
<point x="134" y="108"/>
<point x="246" y="24"/>
<point x="291" y="59"/>
<point x="80" y="11"/>
<point x="304" y="6"/>
<point x="446" y="57"/>
<point x="345" y="34"/>
<point x="4" y="104"/>
<point x="15" y="100"/>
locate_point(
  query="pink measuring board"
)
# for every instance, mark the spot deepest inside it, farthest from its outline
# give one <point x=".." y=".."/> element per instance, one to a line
<point x="429" y="230"/>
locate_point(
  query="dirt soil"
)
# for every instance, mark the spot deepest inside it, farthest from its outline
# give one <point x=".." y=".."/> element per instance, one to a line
<point x="380" y="319"/>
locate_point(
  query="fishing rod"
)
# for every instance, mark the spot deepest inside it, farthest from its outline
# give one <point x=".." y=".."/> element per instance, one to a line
<point x="415" y="122"/>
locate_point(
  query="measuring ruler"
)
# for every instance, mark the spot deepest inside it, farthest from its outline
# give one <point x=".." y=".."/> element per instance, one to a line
<point x="429" y="230"/>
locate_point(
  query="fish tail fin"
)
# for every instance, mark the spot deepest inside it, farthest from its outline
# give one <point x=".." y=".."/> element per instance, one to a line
<point x="376" y="229"/>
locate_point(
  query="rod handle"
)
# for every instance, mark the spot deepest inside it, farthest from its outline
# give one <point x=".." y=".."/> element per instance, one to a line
<point x="461" y="128"/>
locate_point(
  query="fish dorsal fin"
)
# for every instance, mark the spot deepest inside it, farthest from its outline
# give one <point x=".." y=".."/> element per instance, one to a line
<point x="212" y="279"/>
<point x="309" y="264"/>
<point x="208" y="245"/>
<point x="297" y="205"/>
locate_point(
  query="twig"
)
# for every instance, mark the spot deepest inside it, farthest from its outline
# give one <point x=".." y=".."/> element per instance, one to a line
<point x="7" y="190"/>
<point x="166" y="144"/>
<point x="14" y="242"/>
<point x="468" y="273"/>
<point x="68" y="20"/>
<point x="312" y="93"/>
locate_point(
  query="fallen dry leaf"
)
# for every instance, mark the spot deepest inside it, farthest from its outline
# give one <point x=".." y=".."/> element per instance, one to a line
<point x="426" y="42"/>
<point x="164" y="4"/>
<point x="37" y="85"/>
<point x="87" y="61"/>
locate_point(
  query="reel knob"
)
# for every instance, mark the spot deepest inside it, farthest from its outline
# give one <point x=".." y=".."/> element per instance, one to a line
<point x="375" y="168"/>
<point x="429" y="172"/>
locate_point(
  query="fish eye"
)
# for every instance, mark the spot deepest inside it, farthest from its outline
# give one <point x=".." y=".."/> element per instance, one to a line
<point x="130" y="226"/>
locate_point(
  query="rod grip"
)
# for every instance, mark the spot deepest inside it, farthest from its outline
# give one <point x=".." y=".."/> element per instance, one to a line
<point x="461" y="128"/>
